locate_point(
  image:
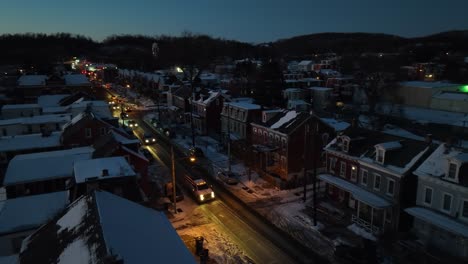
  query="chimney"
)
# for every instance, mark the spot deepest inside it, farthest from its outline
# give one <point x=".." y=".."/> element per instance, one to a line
<point x="105" y="172"/>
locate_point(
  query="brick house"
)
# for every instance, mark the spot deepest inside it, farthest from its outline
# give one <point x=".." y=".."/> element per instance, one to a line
<point x="207" y="112"/>
<point x="84" y="129"/>
<point x="369" y="177"/>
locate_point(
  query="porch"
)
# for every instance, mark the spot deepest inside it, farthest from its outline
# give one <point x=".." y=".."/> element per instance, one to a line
<point x="365" y="209"/>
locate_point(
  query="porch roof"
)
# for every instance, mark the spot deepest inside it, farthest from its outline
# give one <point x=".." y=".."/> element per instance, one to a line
<point x="263" y="148"/>
<point x="439" y="220"/>
<point x="358" y="192"/>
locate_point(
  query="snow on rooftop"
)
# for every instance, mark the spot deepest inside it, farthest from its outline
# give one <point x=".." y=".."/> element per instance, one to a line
<point x="336" y="124"/>
<point x="462" y="157"/>
<point x="32" y="141"/>
<point x="396" y="131"/>
<point x="453" y="96"/>
<point x="76" y="79"/>
<point x="50" y="100"/>
<point x="429" y="85"/>
<point x="74" y="215"/>
<point x="320" y="88"/>
<point x="40" y="119"/>
<point x="55" y="109"/>
<point x="77" y="252"/>
<point x="437" y="163"/>
<point x="122" y="139"/>
<point x="29" y="80"/>
<point x="391" y="145"/>
<point x="20" y="106"/>
<point x="305" y="62"/>
<point x="44" y="165"/>
<point x="29" y="212"/>
<point x="139" y="234"/>
<point x="244" y="105"/>
<point x="94" y="168"/>
<point x="290" y="115"/>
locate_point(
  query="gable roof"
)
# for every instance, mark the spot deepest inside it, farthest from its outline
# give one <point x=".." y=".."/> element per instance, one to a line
<point x="285" y="121"/>
<point x="116" y="167"/>
<point x="102" y="226"/>
<point x="436" y="165"/>
<point x="50" y="100"/>
<point x="32" y="80"/>
<point x="31" y="141"/>
<point x="28" y="212"/>
<point x="44" y="165"/>
<point x="76" y="79"/>
<point x="402" y="153"/>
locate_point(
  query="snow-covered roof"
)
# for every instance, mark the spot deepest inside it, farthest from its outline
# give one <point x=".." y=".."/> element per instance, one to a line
<point x="244" y="105"/>
<point x="50" y="100"/>
<point x="76" y="79"/>
<point x="429" y="85"/>
<point x="305" y="63"/>
<point x="75" y="119"/>
<point x="437" y="163"/>
<point x="292" y="90"/>
<point x="391" y="145"/>
<point x="122" y="139"/>
<point x="396" y="131"/>
<point x="20" y="106"/>
<point x="149" y="232"/>
<point x="32" y="141"/>
<point x="439" y="220"/>
<point x="453" y="96"/>
<point x="28" y="212"/>
<point x="357" y="192"/>
<point x="290" y="115"/>
<point x="94" y="168"/>
<point x="335" y="124"/>
<point x="243" y="99"/>
<point x="40" y="119"/>
<point x="121" y="229"/>
<point x="45" y="165"/>
<point x="320" y="88"/>
<point x="29" y="80"/>
<point x="55" y="109"/>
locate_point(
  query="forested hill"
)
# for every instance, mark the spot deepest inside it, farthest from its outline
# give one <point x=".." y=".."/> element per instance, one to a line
<point x="135" y="50"/>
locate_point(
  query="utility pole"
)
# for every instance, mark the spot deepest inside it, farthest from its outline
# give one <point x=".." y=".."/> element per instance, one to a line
<point x="306" y="159"/>
<point x="229" y="137"/>
<point x="191" y="106"/>
<point x="315" y="149"/>
<point x="173" y="180"/>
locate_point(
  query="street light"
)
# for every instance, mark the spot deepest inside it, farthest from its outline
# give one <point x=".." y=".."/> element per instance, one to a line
<point x="173" y="172"/>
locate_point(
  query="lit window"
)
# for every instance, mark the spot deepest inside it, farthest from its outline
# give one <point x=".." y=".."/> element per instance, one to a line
<point x="353" y="173"/>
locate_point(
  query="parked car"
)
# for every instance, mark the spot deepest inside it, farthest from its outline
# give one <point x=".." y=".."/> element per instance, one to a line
<point x="148" y="138"/>
<point x="227" y="177"/>
<point x="132" y="124"/>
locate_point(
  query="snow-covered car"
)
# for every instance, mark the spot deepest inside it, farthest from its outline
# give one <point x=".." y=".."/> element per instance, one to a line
<point x="227" y="177"/>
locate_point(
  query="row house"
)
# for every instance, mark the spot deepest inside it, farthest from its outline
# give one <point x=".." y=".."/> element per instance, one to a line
<point x="21" y="110"/>
<point x="236" y="118"/>
<point x="441" y="210"/>
<point x="10" y="146"/>
<point x="369" y="177"/>
<point x="84" y="129"/>
<point x="44" y="172"/>
<point x="33" y="125"/>
<point x="206" y="115"/>
<point x="278" y="146"/>
<point x="178" y="103"/>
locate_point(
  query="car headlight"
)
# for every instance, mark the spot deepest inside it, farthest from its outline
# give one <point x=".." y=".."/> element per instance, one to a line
<point x="202" y="197"/>
<point x="212" y="195"/>
<point x="136" y="125"/>
<point x="146" y="140"/>
<point x="154" y="140"/>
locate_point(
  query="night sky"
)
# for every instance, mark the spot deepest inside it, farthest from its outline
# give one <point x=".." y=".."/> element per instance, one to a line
<point x="245" y="20"/>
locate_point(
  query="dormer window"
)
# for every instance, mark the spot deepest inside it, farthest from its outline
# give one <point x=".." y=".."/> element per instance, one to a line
<point x="345" y="146"/>
<point x="452" y="171"/>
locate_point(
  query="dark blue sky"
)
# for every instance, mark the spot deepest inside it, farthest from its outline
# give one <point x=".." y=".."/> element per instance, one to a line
<point x="244" y="20"/>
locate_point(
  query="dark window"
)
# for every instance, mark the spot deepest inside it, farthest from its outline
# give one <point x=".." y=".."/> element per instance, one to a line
<point x="452" y="170"/>
<point x="391" y="187"/>
<point x="465" y="209"/>
<point x="428" y="196"/>
<point x="447" y="202"/>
